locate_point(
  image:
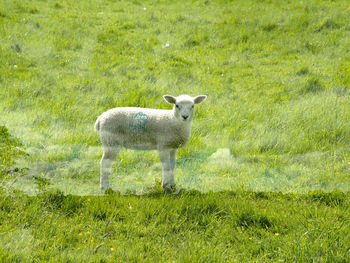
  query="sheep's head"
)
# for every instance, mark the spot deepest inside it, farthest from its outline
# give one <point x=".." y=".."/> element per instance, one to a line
<point x="184" y="105"/>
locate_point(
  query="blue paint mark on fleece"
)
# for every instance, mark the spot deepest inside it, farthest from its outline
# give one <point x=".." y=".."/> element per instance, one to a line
<point x="138" y="122"/>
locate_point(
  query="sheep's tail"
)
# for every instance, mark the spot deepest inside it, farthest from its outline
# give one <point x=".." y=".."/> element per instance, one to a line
<point x="97" y="124"/>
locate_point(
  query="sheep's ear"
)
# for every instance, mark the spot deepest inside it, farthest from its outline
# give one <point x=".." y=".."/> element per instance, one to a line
<point x="199" y="99"/>
<point x="170" y="99"/>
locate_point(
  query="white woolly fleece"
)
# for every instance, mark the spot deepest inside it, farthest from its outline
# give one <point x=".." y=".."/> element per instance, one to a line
<point x="142" y="128"/>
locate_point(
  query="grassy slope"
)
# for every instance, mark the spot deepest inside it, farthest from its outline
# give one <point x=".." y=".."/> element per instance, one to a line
<point x="277" y="76"/>
<point x="276" y="72"/>
<point x="187" y="227"/>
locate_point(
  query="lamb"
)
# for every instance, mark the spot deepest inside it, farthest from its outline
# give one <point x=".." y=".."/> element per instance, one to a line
<point x="147" y="129"/>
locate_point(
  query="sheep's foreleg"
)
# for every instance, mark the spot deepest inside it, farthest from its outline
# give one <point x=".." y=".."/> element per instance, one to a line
<point x="109" y="154"/>
<point x="167" y="158"/>
<point x="172" y="167"/>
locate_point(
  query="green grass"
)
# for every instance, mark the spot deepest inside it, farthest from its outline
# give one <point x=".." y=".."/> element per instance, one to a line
<point x="277" y="76"/>
<point x="186" y="227"/>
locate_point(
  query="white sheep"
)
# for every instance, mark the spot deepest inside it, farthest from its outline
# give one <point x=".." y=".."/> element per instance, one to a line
<point x="147" y="129"/>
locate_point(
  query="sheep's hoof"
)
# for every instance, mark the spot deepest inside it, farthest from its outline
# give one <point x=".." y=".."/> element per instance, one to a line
<point x="109" y="191"/>
<point x="104" y="188"/>
<point x="169" y="189"/>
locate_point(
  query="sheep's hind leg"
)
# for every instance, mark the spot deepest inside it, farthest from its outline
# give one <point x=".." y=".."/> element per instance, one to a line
<point x="167" y="158"/>
<point x="109" y="154"/>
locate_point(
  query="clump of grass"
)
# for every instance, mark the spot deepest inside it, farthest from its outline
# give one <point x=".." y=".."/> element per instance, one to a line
<point x="311" y="46"/>
<point x="11" y="148"/>
<point x="312" y="85"/>
<point x="58" y="6"/>
<point x="327" y="24"/>
<point x="343" y="74"/>
<point x="17" y="48"/>
<point x="269" y="27"/>
<point x="303" y="71"/>
<point x="243" y="39"/>
<point x="42" y="183"/>
<point x="248" y="218"/>
<point x="334" y="198"/>
<point x="53" y="199"/>
<point x="56" y="200"/>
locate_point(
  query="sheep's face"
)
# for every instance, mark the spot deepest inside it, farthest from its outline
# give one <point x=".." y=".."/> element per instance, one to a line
<point x="184" y="110"/>
<point x="184" y="105"/>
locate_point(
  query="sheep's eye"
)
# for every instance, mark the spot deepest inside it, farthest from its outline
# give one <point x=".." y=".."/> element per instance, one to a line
<point x="192" y="106"/>
<point x="177" y="106"/>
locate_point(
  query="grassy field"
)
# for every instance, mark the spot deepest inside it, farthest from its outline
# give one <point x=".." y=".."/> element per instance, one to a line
<point x="277" y="76"/>
<point x="188" y="227"/>
<point x="265" y="175"/>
